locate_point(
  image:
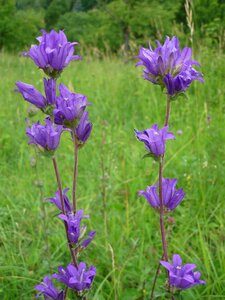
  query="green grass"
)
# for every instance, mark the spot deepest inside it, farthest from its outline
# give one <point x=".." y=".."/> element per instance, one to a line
<point x="127" y="246"/>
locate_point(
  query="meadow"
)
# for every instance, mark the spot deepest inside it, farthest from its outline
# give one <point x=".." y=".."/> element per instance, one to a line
<point x="127" y="245"/>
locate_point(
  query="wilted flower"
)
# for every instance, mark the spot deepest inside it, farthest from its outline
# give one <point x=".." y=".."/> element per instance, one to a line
<point x="170" y="195"/>
<point x="47" y="289"/>
<point x="73" y="225"/>
<point x="69" y="107"/>
<point x="53" y="53"/>
<point x="182" y="277"/>
<point x="155" y="138"/>
<point x="33" y="96"/>
<point x="84" y="128"/>
<point x="57" y="201"/>
<point x="77" y="279"/>
<point x="168" y="66"/>
<point x="47" y="136"/>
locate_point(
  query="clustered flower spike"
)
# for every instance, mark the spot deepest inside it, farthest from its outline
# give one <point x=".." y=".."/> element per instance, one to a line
<point x="155" y="139"/>
<point x="69" y="107"/>
<point x="182" y="276"/>
<point x="169" y="67"/>
<point x="47" y="289"/>
<point x="57" y="201"/>
<point x="77" y="279"/>
<point x="33" y="96"/>
<point x="46" y="137"/>
<point x="170" y="195"/>
<point x="53" y="53"/>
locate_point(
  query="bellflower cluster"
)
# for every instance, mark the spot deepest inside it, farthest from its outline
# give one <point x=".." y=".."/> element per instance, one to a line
<point x="171" y="196"/>
<point x="53" y="53"/>
<point x="46" y="137"/>
<point x="76" y="278"/>
<point x="65" y="112"/>
<point x="169" y="67"/>
<point x="182" y="276"/>
<point x="172" y="69"/>
<point x="69" y="107"/>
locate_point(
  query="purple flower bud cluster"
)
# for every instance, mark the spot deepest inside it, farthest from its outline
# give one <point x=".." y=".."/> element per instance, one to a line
<point x="169" y="67"/>
<point x="173" y="70"/>
<point x="66" y="111"/>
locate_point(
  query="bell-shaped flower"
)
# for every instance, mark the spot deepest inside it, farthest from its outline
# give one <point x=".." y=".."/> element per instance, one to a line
<point x="78" y="278"/>
<point x="46" y="136"/>
<point x="89" y="239"/>
<point x="182" y="276"/>
<point x="32" y="95"/>
<point x="53" y="53"/>
<point x="84" y="128"/>
<point x="155" y="139"/>
<point x="57" y="201"/>
<point x="169" y="66"/>
<point x="170" y="195"/>
<point x="47" y="289"/>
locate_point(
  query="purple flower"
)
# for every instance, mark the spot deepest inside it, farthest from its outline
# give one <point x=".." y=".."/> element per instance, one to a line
<point x="73" y="225"/>
<point x="168" y="66"/>
<point x="69" y="107"/>
<point x="154" y="138"/>
<point x="170" y="195"/>
<point x="57" y="201"/>
<point x="87" y="241"/>
<point x="33" y="96"/>
<point x="47" y="136"/>
<point x="47" y="289"/>
<point x="77" y="279"/>
<point x="182" y="277"/>
<point x="84" y="128"/>
<point x="53" y="53"/>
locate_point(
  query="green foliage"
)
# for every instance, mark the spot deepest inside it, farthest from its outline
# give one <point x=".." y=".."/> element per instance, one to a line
<point x="55" y="10"/>
<point x="92" y="28"/>
<point x="113" y="25"/>
<point x="18" y="28"/>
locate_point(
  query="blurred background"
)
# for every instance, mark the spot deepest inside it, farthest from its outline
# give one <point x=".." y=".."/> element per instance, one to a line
<point x="113" y="26"/>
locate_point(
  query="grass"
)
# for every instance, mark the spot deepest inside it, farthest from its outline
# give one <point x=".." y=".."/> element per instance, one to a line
<point x="111" y="170"/>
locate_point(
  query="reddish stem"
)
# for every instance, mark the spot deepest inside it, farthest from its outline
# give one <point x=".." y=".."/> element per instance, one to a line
<point x="63" y="209"/>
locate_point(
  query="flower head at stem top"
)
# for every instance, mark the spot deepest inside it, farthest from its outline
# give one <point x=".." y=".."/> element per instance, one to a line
<point x="182" y="276"/>
<point x="46" y="137"/>
<point x="47" y="289"/>
<point x="155" y="139"/>
<point x="53" y="53"/>
<point x="170" y="195"/>
<point x="69" y="108"/>
<point x="168" y="66"/>
<point x="33" y="96"/>
<point x="78" y="278"/>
